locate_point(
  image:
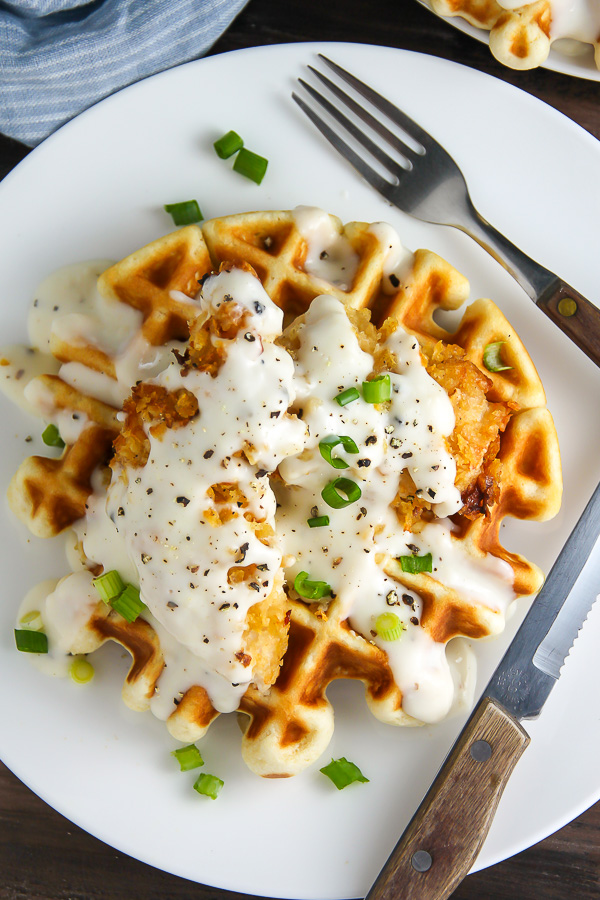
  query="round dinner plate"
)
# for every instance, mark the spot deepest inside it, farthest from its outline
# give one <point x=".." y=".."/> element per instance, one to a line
<point x="96" y="189"/>
<point x="579" y="61"/>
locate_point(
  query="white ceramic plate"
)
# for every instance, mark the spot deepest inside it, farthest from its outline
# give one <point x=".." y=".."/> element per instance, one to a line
<point x="96" y="189"/>
<point x="579" y="60"/>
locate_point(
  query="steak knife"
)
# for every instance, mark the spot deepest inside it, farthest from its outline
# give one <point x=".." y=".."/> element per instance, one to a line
<point x="443" y="840"/>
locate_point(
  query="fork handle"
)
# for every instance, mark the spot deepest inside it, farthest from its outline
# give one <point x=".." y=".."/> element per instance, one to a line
<point x="575" y="316"/>
<point x="444" y="838"/>
<point x="569" y="310"/>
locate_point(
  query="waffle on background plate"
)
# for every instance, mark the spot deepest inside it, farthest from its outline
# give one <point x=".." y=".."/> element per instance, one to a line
<point x="288" y="724"/>
<point x="521" y="35"/>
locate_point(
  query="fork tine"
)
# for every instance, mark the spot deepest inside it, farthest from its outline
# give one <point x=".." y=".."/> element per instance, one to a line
<point x="392" y="112"/>
<point x="369" y="174"/>
<point x="370" y="120"/>
<point x="393" y="167"/>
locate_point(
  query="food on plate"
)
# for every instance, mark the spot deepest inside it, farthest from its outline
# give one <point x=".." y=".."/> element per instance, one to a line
<point x="521" y="34"/>
<point x="280" y="470"/>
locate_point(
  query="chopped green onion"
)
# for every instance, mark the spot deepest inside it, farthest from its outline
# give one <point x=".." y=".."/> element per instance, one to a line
<point x="251" y="165"/>
<point x="32" y="621"/>
<point x="227" y="145"/>
<point x="331" y="441"/>
<point x="128" y="603"/>
<point x="109" y="585"/>
<point x="415" y="564"/>
<point x="81" y="671"/>
<point x="378" y="390"/>
<point x="185" y="213"/>
<point x="492" y="357"/>
<point x="348" y="396"/>
<point x="51" y="437"/>
<point x="332" y="496"/>
<point x="318" y="521"/>
<point x="28" y="641"/>
<point x="310" y="590"/>
<point x="209" y="785"/>
<point x="388" y="626"/>
<point x="342" y="773"/>
<point x="188" y="758"/>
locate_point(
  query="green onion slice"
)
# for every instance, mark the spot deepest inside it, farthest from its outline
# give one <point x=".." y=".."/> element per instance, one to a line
<point x="492" y="357"/>
<point x="128" y="603"/>
<point x="251" y="165"/>
<point x="185" y="213"/>
<point x="343" y="772"/>
<point x="388" y="626"/>
<point x="227" y="145"/>
<point x="28" y="641"/>
<point x="310" y="590"/>
<point x="318" y="521"/>
<point x="333" y="440"/>
<point x="81" y="671"/>
<point x="32" y="620"/>
<point x="109" y="585"/>
<point x="378" y="390"/>
<point x="341" y="492"/>
<point x="51" y="437"/>
<point x="415" y="564"/>
<point x="209" y="785"/>
<point x="348" y="396"/>
<point x="188" y="758"/>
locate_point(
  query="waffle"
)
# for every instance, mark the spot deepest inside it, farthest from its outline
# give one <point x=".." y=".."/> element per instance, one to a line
<point x="288" y="724"/>
<point x="49" y="495"/>
<point x="521" y="37"/>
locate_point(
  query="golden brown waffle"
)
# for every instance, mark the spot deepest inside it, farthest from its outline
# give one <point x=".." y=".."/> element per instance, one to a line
<point x="520" y="38"/>
<point x="271" y="243"/>
<point x="291" y="723"/>
<point x="50" y="494"/>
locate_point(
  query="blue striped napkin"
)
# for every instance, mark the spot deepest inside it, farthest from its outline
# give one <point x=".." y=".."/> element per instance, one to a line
<point x="57" y="57"/>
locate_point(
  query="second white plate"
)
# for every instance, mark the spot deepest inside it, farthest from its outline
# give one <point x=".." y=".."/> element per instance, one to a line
<point x="579" y="63"/>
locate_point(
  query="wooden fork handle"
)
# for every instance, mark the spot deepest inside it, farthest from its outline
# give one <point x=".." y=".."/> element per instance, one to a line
<point x="574" y="315"/>
<point x="444" y="838"/>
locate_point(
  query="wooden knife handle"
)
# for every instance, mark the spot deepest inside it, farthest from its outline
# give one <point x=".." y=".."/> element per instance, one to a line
<point x="442" y="841"/>
<point x="575" y="316"/>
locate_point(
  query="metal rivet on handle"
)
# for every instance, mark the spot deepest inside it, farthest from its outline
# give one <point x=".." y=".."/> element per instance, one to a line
<point x="421" y="861"/>
<point x="481" y="751"/>
<point x="567" y="307"/>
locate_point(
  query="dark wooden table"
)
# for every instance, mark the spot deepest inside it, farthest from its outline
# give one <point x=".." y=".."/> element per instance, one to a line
<point x="45" y="857"/>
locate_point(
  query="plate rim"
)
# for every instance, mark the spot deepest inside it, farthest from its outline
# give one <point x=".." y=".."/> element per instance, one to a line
<point x="59" y="135"/>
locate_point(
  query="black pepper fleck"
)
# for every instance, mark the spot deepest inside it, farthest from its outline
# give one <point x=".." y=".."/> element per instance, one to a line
<point x="241" y="553"/>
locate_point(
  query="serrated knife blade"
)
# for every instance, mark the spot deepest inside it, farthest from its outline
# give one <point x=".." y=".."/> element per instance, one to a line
<point x="531" y="666"/>
<point x="444" y="837"/>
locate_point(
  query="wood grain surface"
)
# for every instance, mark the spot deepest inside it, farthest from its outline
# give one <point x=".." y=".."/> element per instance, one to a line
<point x="45" y="857"/>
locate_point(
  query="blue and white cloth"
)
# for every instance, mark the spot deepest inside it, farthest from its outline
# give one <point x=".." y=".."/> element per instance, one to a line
<point x="57" y="57"/>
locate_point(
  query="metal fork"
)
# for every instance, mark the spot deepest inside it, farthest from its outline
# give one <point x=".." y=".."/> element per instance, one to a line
<point x="429" y="185"/>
